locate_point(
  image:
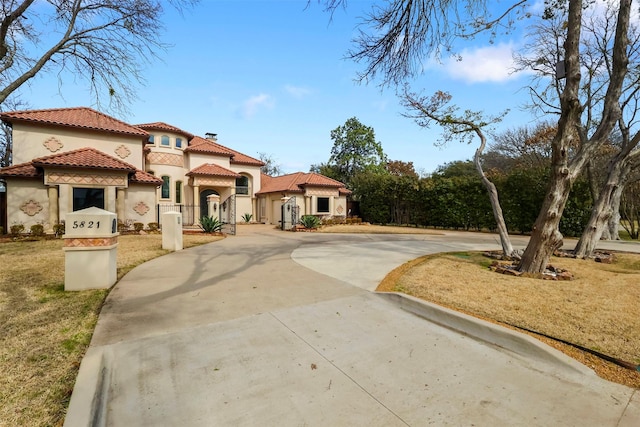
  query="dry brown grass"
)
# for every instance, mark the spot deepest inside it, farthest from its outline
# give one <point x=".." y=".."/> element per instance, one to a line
<point x="597" y="310"/>
<point x="45" y="330"/>
<point x="375" y="229"/>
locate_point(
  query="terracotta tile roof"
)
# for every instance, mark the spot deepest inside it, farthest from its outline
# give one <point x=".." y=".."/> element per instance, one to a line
<point x="243" y="159"/>
<point x="79" y="117"/>
<point x="202" y="145"/>
<point x="86" y="158"/>
<point x="296" y="183"/>
<point x="161" y="126"/>
<point x="213" y="170"/>
<point x="23" y="170"/>
<point x="141" y="177"/>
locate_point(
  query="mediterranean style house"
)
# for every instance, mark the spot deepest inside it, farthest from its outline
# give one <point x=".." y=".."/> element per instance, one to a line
<point x="69" y="159"/>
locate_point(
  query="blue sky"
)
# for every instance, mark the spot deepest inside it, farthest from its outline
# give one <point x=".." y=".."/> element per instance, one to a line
<point x="270" y="76"/>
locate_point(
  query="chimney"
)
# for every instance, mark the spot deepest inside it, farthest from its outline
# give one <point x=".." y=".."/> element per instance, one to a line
<point x="211" y="136"/>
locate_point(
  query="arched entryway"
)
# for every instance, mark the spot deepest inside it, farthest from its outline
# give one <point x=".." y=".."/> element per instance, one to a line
<point x="204" y="206"/>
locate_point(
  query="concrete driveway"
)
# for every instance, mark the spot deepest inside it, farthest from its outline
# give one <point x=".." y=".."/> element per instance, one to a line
<point x="273" y="328"/>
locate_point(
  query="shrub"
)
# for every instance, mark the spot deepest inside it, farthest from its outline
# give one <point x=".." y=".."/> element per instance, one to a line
<point x="210" y="224"/>
<point x="138" y="226"/>
<point x="58" y="229"/>
<point x="153" y="226"/>
<point x="310" y="221"/>
<point x="122" y="226"/>
<point x="37" y="230"/>
<point x="247" y="217"/>
<point x="16" y="229"/>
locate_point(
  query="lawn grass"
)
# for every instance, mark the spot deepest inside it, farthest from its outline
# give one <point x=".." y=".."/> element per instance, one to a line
<point x="597" y="310"/>
<point x="45" y="330"/>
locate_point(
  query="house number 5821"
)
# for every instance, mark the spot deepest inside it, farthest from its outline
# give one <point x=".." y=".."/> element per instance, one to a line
<point x="86" y="224"/>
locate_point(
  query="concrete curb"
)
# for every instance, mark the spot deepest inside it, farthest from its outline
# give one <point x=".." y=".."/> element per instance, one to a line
<point x="89" y="398"/>
<point x="479" y="329"/>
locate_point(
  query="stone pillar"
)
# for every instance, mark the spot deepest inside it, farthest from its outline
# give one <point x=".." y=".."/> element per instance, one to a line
<point x="213" y="204"/>
<point x="172" y="231"/>
<point x="90" y="249"/>
<point x="54" y="208"/>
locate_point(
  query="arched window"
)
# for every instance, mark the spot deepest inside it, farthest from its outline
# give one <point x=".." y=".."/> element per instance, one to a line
<point x="178" y="192"/>
<point x="242" y="185"/>
<point x="165" y="192"/>
<point x="178" y="142"/>
<point x="164" y="141"/>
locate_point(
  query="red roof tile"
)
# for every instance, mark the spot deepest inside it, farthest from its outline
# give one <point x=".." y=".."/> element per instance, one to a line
<point x="79" y="117"/>
<point x="296" y="182"/>
<point x="202" y="145"/>
<point x="243" y="159"/>
<point x="86" y="158"/>
<point x="161" y="126"/>
<point x="213" y="170"/>
<point x="23" y="170"/>
<point x="141" y="177"/>
<point x="83" y="158"/>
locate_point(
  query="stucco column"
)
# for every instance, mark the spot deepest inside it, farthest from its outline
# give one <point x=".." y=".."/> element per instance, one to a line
<point x="331" y="205"/>
<point x="254" y="208"/>
<point x="54" y="217"/>
<point x="307" y="205"/>
<point x="120" y="205"/>
<point x="196" y="204"/>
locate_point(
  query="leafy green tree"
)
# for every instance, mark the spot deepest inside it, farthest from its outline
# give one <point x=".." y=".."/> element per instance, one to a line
<point x="354" y="150"/>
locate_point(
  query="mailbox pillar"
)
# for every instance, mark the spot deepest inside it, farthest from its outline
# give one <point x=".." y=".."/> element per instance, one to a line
<point x="172" y="231"/>
<point x="90" y="249"/>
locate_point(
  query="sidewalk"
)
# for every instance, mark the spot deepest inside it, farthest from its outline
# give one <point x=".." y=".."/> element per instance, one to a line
<point x="238" y="333"/>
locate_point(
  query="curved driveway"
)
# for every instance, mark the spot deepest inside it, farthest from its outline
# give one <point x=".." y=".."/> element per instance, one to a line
<point x="267" y="328"/>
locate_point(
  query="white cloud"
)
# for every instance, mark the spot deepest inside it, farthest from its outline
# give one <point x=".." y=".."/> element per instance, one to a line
<point x="298" y="92"/>
<point x="251" y="106"/>
<point x="484" y="64"/>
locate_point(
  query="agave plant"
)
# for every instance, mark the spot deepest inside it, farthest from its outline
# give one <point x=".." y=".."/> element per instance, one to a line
<point x="210" y="224"/>
<point x="310" y="221"/>
<point x="247" y="217"/>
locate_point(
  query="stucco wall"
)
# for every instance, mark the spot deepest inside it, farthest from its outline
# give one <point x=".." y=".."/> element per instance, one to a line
<point x="19" y="194"/>
<point x="140" y="204"/>
<point x="193" y="160"/>
<point x="30" y="142"/>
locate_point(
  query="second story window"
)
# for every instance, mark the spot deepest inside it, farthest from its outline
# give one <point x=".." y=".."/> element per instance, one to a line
<point x="178" y="192"/>
<point x="150" y="140"/>
<point x="164" y="141"/>
<point x="242" y="185"/>
<point x="178" y="142"/>
<point x="165" y="191"/>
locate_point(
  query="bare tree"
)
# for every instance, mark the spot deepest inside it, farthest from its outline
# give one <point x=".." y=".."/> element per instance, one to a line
<point x="402" y="33"/>
<point x="521" y="146"/>
<point x="270" y="166"/>
<point x="394" y="39"/>
<point x="608" y="101"/>
<point x="103" y="41"/>
<point x="425" y="110"/>
<point x="5" y="131"/>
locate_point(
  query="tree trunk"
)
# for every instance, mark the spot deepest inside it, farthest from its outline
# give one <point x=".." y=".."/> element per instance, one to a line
<point x="505" y="241"/>
<point x="613" y="225"/>
<point x="545" y="237"/>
